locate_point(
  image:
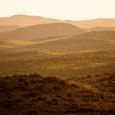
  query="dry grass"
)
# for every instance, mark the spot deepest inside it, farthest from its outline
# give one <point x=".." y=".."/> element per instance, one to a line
<point x="36" y="95"/>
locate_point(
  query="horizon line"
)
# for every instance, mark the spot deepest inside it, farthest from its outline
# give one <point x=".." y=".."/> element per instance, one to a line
<point x="99" y="18"/>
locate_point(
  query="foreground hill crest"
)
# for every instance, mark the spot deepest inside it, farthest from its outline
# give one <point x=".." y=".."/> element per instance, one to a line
<point x="36" y="95"/>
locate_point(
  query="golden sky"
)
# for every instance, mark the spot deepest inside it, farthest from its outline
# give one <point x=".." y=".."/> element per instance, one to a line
<point x="61" y="9"/>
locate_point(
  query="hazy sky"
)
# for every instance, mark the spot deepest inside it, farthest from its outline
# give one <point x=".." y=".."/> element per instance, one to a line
<point x="61" y="9"/>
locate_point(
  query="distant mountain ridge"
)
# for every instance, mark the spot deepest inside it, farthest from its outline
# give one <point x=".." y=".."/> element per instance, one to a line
<point x="94" y="23"/>
<point x="26" y="20"/>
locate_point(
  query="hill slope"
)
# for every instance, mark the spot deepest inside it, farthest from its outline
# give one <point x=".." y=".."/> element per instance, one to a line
<point x="25" y="20"/>
<point x="42" y="31"/>
<point x="93" y="23"/>
<point x="101" y="40"/>
<point x="92" y="53"/>
<point x="8" y="28"/>
<point x="34" y="95"/>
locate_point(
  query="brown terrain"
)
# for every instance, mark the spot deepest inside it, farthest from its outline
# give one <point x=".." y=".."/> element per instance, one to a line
<point x="42" y="31"/>
<point x="105" y="23"/>
<point x="74" y="62"/>
<point x="8" y="28"/>
<point x="36" y="95"/>
<point x="25" y="20"/>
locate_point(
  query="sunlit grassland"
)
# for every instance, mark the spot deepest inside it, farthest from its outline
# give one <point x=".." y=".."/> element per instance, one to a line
<point x="64" y="64"/>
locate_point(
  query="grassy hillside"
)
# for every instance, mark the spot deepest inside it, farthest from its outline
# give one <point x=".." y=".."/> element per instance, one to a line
<point x="101" y="40"/>
<point x="81" y="64"/>
<point x="56" y="64"/>
<point x="105" y="82"/>
<point x="36" y="95"/>
<point x="83" y="54"/>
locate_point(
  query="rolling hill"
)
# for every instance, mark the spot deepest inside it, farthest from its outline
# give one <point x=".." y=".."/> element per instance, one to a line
<point x="87" y="53"/>
<point x="25" y="20"/>
<point x="101" y="40"/>
<point x="42" y="31"/>
<point x="80" y="64"/>
<point x="103" y="23"/>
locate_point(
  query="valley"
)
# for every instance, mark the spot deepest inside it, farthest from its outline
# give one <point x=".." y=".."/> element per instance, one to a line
<point x="58" y="64"/>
